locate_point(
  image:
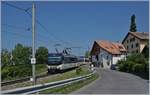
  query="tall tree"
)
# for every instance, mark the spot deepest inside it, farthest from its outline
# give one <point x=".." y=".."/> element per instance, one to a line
<point x="42" y="55"/>
<point x="133" y="24"/>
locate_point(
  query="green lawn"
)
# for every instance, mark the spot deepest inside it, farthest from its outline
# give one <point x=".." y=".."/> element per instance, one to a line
<point x="70" y="87"/>
<point x="68" y="74"/>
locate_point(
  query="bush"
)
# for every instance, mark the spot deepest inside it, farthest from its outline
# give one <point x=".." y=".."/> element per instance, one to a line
<point x="78" y="70"/>
<point x="138" y="68"/>
<point x="136" y="64"/>
<point x="18" y="71"/>
<point x="122" y="66"/>
<point x="125" y="66"/>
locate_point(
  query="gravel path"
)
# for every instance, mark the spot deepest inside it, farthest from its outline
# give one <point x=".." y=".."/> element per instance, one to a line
<point x="114" y="82"/>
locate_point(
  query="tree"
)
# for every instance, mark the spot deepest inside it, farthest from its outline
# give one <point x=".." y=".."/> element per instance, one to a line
<point x="42" y="55"/>
<point x="21" y="54"/>
<point x="6" y="57"/>
<point x="133" y="24"/>
<point x="87" y="54"/>
<point x="145" y="51"/>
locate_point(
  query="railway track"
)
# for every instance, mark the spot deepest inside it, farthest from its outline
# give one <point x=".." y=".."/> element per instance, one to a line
<point x="41" y="87"/>
<point x="22" y="79"/>
<point x="44" y="74"/>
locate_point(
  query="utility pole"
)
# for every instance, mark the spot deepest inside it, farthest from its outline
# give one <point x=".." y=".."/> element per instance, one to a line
<point x="33" y="60"/>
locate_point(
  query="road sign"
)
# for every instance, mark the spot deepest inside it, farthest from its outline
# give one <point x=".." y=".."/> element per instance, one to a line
<point x="33" y="60"/>
<point x="31" y="79"/>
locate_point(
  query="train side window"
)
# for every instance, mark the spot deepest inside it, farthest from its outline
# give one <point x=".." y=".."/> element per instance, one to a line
<point x="73" y="59"/>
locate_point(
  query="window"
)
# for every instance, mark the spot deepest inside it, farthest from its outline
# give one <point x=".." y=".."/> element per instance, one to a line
<point x="127" y="47"/>
<point x="107" y="57"/>
<point x="97" y="57"/>
<point x="108" y="63"/>
<point x="132" y="39"/>
<point x="132" y="46"/>
<point x="137" y="51"/>
<point x="137" y="44"/>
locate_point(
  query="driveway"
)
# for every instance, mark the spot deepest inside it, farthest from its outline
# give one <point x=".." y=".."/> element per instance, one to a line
<point x="115" y="82"/>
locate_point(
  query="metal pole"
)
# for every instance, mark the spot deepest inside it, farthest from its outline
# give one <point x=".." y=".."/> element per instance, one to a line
<point x="33" y="44"/>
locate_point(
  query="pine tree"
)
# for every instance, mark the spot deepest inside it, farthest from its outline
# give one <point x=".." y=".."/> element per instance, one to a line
<point x="133" y="24"/>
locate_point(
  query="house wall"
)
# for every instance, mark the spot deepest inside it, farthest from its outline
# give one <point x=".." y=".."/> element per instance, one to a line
<point x="118" y="57"/>
<point x="142" y="45"/>
<point x="135" y="49"/>
<point x="94" y="58"/>
<point x="105" y="58"/>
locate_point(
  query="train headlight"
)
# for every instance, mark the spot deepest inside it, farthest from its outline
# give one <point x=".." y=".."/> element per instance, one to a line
<point x="48" y="66"/>
<point x="59" y="67"/>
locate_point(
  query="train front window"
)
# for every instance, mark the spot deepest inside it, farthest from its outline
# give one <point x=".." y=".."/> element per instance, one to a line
<point x="54" y="58"/>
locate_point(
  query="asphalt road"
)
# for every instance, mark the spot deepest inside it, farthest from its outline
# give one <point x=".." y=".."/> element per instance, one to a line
<point x="114" y="82"/>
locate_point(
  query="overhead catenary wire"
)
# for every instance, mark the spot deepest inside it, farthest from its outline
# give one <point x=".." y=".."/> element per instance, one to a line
<point x="25" y="36"/>
<point x="40" y="24"/>
<point x="16" y="27"/>
<point x="11" y="5"/>
<point x="23" y="29"/>
<point x="21" y="35"/>
<point x="37" y="21"/>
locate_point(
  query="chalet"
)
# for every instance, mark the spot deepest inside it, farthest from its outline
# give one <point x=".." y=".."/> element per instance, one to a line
<point x="134" y="42"/>
<point x="107" y="53"/>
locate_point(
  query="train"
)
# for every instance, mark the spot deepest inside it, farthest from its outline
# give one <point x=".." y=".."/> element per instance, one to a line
<point x="61" y="62"/>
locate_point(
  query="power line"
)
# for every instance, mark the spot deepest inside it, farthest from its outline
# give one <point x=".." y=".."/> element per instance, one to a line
<point x="14" y="33"/>
<point x="17" y="27"/>
<point x="22" y="28"/>
<point x="14" y="6"/>
<point x="42" y="26"/>
<point x="46" y="30"/>
<point x="26" y="36"/>
<point x="38" y="22"/>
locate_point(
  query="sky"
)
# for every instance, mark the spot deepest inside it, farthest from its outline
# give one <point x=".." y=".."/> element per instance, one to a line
<point x="71" y="24"/>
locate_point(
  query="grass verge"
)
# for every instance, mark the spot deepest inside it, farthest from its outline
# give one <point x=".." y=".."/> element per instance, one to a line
<point x="70" y="87"/>
<point x="51" y="78"/>
<point x="40" y="68"/>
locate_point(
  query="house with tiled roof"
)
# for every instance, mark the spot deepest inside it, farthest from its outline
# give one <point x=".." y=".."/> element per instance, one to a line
<point x="134" y="42"/>
<point x="107" y="53"/>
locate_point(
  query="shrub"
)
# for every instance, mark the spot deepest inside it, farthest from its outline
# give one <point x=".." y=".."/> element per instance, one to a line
<point x="138" y="68"/>
<point x="78" y="70"/>
<point x="18" y="71"/>
<point x="135" y="63"/>
<point x="125" y="66"/>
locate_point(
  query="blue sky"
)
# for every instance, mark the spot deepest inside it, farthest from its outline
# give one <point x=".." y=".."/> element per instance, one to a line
<point x="77" y="23"/>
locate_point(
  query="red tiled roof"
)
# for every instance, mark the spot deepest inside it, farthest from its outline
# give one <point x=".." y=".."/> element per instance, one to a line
<point x="111" y="47"/>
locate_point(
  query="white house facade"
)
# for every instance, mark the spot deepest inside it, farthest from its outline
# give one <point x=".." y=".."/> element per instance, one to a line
<point x="134" y="42"/>
<point x="107" y="53"/>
